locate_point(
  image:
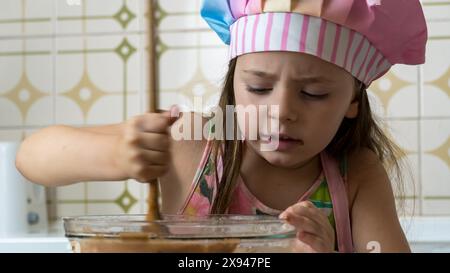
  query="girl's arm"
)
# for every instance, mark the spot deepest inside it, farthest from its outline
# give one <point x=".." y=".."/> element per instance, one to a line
<point x="375" y="224"/>
<point x="60" y="155"/>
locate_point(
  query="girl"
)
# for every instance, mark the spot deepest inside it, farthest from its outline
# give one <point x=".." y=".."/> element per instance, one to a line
<point x="327" y="176"/>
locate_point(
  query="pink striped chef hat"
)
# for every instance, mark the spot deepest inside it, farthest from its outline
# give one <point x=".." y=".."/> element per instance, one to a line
<point x="364" y="37"/>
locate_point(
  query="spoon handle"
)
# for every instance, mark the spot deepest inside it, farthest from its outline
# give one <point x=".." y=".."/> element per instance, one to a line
<point x="153" y="205"/>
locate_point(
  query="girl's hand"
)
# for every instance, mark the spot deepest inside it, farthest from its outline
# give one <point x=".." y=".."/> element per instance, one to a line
<point x="314" y="231"/>
<point x="142" y="151"/>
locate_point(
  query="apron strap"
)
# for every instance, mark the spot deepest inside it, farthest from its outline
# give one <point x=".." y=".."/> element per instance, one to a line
<point x="340" y="202"/>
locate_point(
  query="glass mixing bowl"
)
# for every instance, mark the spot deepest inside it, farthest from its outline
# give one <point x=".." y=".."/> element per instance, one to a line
<point x="179" y="233"/>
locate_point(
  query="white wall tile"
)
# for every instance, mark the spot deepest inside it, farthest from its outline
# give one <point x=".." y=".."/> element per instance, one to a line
<point x="177" y="67"/>
<point x="435" y="133"/>
<point x="10" y="135"/>
<point x="435" y="173"/>
<point x="436" y="73"/>
<point x="103" y="209"/>
<point x="67" y="111"/>
<point x="10" y="12"/>
<point x="436" y="207"/>
<point x="10" y="114"/>
<point x="65" y="210"/>
<point x="104" y="190"/>
<point x="72" y="192"/>
<point x="97" y="16"/>
<point x="41" y="17"/>
<point x="405" y="133"/>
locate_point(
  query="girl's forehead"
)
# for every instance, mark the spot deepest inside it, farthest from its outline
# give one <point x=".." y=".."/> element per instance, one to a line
<point x="277" y="63"/>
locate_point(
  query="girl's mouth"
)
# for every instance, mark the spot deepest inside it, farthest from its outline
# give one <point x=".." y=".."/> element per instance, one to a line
<point x="285" y="142"/>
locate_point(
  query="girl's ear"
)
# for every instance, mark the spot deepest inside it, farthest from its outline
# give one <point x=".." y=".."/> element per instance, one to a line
<point x="352" y="111"/>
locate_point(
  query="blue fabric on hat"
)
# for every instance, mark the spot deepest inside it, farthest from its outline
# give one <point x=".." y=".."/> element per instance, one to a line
<point x="218" y="15"/>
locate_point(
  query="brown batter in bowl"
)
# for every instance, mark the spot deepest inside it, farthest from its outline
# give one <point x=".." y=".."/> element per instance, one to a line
<point x="179" y="233"/>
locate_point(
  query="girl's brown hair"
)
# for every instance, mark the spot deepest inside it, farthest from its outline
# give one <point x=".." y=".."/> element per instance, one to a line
<point x="352" y="135"/>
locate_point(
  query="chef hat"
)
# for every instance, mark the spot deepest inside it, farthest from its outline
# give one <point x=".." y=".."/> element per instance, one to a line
<point x="364" y="37"/>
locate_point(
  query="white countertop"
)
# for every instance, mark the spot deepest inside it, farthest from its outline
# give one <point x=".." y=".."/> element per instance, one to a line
<point x="425" y="234"/>
<point x="50" y="241"/>
<point x="45" y="244"/>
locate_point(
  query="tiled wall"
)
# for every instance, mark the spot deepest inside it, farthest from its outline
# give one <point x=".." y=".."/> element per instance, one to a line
<point x="83" y="62"/>
<point x="415" y="103"/>
<point x="75" y="62"/>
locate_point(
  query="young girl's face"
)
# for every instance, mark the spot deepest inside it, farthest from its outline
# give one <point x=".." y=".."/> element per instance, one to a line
<point x="313" y="97"/>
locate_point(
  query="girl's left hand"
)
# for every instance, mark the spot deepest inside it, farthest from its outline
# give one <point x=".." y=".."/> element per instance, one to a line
<point x="314" y="231"/>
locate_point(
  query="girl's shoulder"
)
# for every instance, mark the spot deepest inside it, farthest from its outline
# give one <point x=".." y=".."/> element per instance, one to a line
<point x="188" y="140"/>
<point x="373" y="207"/>
<point x="363" y="166"/>
<point x="362" y="162"/>
<point x="185" y="156"/>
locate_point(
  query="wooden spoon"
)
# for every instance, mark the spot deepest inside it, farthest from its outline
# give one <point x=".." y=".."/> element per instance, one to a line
<point x="153" y="204"/>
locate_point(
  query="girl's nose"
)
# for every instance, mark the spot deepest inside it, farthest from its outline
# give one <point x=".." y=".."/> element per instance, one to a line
<point x="287" y="110"/>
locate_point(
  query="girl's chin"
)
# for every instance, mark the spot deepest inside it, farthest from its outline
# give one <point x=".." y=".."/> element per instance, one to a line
<point x="281" y="160"/>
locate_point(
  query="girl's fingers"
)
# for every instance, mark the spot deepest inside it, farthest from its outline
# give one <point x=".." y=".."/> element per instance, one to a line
<point x="304" y="224"/>
<point x="148" y="173"/>
<point x="312" y="208"/>
<point x="316" y="243"/>
<point x="302" y="209"/>
<point x="152" y="123"/>
<point x="151" y="157"/>
<point x="301" y="247"/>
<point x="152" y="141"/>
<point x="307" y="218"/>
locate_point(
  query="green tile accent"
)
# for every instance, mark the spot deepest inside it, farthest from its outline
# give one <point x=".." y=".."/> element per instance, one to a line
<point x="24" y="53"/>
<point x="435" y="3"/>
<point x="125" y="200"/>
<point x="437" y="198"/>
<point x="24" y="20"/>
<point x="83" y="51"/>
<point x="161" y="48"/>
<point x="83" y="18"/>
<point x="124" y="16"/>
<point x="439" y="38"/>
<point x="160" y="14"/>
<point x="125" y="50"/>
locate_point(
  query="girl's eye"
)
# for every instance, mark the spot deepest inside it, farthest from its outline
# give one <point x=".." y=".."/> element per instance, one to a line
<point x="305" y="94"/>
<point x="258" y="90"/>
<point x="314" y="97"/>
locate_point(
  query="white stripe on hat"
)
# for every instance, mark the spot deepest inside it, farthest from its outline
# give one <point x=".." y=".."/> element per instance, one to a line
<point x="240" y="31"/>
<point x="360" y="57"/>
<point x="342" y="46"/>
<point x="248" y="35"/>
<point x="277" y="31"/>
<point x="363" y="69"/>
<point x="357" y="39"/>
<point x="295" y="30"/>
<point x="373" y="68"/>
<point x="312" y="39"/>
<point x="260" y="37"/>
<point x="328" y="40"/>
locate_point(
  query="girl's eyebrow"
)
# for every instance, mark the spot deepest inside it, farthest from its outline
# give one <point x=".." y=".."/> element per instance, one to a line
<point x="306" y="79"/>
<point x="261" y="74"/>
